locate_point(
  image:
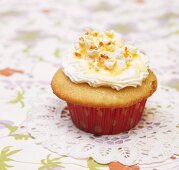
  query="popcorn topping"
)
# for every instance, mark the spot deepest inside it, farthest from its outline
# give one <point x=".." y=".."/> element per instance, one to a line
<point x="104" y="50"/>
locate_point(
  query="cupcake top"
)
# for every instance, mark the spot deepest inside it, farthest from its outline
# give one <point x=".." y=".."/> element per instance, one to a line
<point x="103" y="59"/>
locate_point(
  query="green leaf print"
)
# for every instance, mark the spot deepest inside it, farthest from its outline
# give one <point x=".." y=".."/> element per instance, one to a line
<point x="93" y="165"/>
<point x="28" y="36"/>
<point x="21" y="136"/>
<point x="19" y="98"/>
<point x="174" y="85"/>
<point x="26" y="50"/>
<point x="49" y="163"/>
<point x="11" y="128"/>
<point x="4" y="157"/>
<point x="57" y="52"/>
<point x="12" y="132"/>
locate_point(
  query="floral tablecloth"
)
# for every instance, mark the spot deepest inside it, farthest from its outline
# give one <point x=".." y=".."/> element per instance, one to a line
<point x="34" y="35"/>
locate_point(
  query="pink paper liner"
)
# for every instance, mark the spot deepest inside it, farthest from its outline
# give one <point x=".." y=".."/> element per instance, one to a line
<point x="106" y="121"/>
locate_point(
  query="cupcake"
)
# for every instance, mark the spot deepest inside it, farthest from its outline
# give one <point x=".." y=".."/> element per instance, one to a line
<point x="105" y="83"/>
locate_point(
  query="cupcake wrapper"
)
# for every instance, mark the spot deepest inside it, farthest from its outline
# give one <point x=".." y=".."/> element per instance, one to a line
<point x="106" y="121"/>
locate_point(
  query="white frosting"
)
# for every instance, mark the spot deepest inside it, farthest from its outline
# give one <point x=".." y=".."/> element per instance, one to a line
<point x="117" y="71"/>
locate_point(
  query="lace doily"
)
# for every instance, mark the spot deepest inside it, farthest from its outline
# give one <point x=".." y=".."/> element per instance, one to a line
<point x="154" y="139"/>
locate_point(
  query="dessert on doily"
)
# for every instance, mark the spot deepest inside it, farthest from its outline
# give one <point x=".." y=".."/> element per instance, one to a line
<point x="153" y="139"/>
<point x="105" y="83"/>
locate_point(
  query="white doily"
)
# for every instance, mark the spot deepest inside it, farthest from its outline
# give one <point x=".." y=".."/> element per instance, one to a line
<point x="154" y="139"/>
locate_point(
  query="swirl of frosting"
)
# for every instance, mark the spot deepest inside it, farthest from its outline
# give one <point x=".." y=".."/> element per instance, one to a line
<point x="102" y="59"/>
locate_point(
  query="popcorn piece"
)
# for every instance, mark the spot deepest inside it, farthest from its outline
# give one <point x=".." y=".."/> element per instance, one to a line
<point x="129" y="50"/>
<point x="118" y="54"/>
<point x="102" y="59"/>
<point x="100" y="44"/>
<point x="128" y="59"/>
<point x="78" y="55"/>
<point x="93" y="47"/>
<point x="88" y="43"/>
<point x="94" y="33"/>
<point x="126" y="52"/>
<point x="81" y="39"/>
<point x="109" y="64"/>
<point x="110" y="34"/>
<point x="104" y="56"/>
<point x="132" y="49"/>
<point x="106" y="40"/>
<point x="110" y="48"/>
<point x="93" y="53"/>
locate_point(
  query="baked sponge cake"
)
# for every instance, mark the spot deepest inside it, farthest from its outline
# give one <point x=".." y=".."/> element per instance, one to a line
<point x="105" y="83"/>
<point x="83" y="94"/>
